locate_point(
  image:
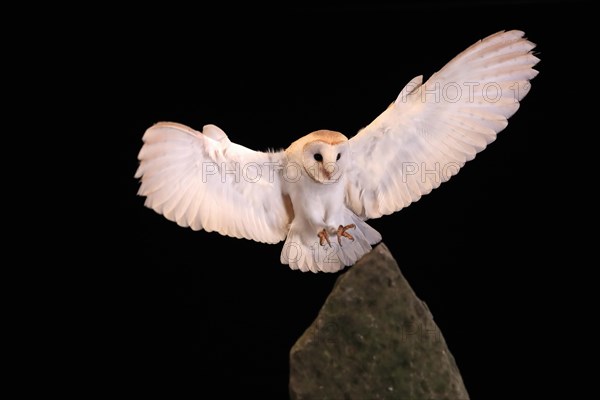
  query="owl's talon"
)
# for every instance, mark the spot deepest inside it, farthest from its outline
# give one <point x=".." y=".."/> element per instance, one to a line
<point x="341" y="231"/>
<point x="323" y="237"/>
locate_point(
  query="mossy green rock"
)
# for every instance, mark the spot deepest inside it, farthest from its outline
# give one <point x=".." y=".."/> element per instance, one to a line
<point x="374" y="339"/>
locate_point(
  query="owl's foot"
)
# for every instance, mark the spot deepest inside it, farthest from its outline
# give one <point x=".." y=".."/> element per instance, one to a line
<point x="341" y="231"/>
<point x="323" y="237"/>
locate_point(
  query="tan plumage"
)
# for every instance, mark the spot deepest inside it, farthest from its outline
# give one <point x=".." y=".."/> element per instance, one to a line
<point x="317" y="193"/>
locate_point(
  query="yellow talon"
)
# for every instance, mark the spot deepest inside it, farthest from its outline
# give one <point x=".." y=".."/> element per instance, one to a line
<point x="341" y="231"/>
<point x="323" y="237"/>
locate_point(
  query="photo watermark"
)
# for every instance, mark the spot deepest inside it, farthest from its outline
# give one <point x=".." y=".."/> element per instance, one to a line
<point x="253" y="172"/>
<point x="467" y="92"/>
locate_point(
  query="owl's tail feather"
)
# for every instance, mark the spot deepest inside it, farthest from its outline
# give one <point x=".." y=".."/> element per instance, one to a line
<point x="304" y="252"/>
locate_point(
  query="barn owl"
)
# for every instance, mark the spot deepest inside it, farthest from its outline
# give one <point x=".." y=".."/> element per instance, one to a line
<point x="318" y="193"/>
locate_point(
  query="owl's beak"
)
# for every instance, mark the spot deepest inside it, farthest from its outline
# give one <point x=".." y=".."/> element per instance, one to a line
<point x="329" y="170"/>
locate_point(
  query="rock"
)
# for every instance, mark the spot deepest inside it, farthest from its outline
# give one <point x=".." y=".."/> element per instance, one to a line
<point x="374" y="339"/>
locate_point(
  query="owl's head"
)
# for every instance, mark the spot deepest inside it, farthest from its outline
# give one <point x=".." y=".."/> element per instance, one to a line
<point x="325" y="156"/>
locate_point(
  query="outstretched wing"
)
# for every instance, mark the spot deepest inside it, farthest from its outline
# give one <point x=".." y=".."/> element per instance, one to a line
<point x="431" y="130"/>
<point x="204" y="181"/>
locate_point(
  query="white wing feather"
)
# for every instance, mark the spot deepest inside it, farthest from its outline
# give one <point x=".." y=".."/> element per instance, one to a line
<point x="431" y="130"/>
<point x="204" y="181"/>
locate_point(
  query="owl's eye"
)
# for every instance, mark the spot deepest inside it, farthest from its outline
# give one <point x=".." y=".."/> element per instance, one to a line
<point x="338" y="156"/>
<point x="318" y="157"/>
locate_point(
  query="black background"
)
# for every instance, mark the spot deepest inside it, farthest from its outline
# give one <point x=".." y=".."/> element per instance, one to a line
<point x="223" y="313"/>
